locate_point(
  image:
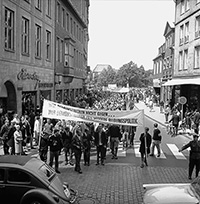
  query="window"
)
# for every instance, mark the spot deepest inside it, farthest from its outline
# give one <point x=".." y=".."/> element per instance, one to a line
<point x="25" y="36"/>
<point x="48" y="7"/>
<point x="180" y="63"/>
<point x="58" y="13"/>
<point x="15" y="175"/>
<point x="61" y="50"/>
<point x="197" y="57"/>
<point x="186" y="32"/>
<point x="37" y="41"/>
<point x="38" y="4"/>
<point x="67" y="21"/>
<point x="2" y="175"/>
<point x="57" y="49"/>
<point x="48" y="45"/>
<point x="186" y="5"/>
<point x="63" y="17"/>
<point x="185" y="60"/>
<point x="9" y="29"/>
<point x="182" y="7"/>
<point x="197" y="27"/>
<point x="181" y="34"/>
<point x="66" y="61"/>
<point x="71" y="23"/>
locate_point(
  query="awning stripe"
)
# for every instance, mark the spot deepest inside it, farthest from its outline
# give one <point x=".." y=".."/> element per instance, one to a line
<point x="195" y="81"/>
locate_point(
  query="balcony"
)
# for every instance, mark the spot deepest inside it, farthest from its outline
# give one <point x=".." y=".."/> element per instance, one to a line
<point x="68" y="74"/>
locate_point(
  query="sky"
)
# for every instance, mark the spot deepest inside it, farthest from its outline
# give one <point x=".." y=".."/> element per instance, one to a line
<point x="121" y="31"/>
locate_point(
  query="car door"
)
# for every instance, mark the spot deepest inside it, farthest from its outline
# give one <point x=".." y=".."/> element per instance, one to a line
<point x="2" y="184"/>
<point x="18" y="183"/>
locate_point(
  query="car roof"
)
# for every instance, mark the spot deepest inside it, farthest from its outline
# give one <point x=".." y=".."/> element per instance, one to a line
<point x="14" y="159"/>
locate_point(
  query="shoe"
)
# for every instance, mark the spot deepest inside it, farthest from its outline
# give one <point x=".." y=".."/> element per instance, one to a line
<point x="58" y="172"/>
<point x="116" y="157"/>
<point x="80" y="172"/>
<point x="97" y="164"/>
<point x="151" y="155"/>
<point x="146" y="163"/>
<point x="142" y="165"/>
<point x="71" y="163"/>
<point x="158" y="155"/>
<point x="190" y="178"/>
<point x="102" y="164"/>
<point x="113" y="157"/>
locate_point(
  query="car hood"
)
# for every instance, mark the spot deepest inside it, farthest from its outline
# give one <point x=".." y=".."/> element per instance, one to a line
<point x="170" y="194"/>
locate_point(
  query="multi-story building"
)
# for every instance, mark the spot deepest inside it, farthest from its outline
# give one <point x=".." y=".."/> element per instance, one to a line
<point x="163" y="64"/>
<point x="43" y="52"/>
<point x="26" y="53"/>
<point x="71" y="48"/>
<point x="186" y="79"/>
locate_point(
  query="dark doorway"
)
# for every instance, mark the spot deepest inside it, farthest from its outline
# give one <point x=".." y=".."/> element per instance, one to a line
<point x="11" y="99"/>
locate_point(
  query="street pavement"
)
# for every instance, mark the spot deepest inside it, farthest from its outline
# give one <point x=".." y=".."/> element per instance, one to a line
<point x="119" y="181"/>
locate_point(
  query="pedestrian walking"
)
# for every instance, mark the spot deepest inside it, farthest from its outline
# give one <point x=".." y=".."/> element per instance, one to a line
<point x="175" y="121"/>
<point x="66" y="136"/>
<point x="145" y="144"/>
<point x="194" y="157"/>
<point x="167" y="113"/>
<point x="18" y="140"/>
<point x="100" y="141"/>
<point x="196" y="120"/>
<point x="77" y="145"/>
<point x="87" y="139"/>
<point x="11" y="141"/>
<point x="115" y="136"/>
<point x="55" y="144"/>
<point x="4" y="136"/>
<point x="156" y="140"/>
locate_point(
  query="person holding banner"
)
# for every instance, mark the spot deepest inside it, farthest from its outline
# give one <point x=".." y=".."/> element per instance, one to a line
<point x="145" y="144"/>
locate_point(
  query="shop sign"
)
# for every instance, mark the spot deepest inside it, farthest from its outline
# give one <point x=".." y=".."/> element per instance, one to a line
<point x="25" y="75"/>
<point x="45" y="85"/>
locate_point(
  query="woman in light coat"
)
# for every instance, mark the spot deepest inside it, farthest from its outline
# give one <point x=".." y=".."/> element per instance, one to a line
<point x="18" y="140"/>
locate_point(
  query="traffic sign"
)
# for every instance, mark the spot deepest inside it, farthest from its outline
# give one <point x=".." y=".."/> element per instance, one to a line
<point x="182" y="100"/>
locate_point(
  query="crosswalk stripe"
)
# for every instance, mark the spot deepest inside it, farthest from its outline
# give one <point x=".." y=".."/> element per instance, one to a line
<point x="173" y="148"/>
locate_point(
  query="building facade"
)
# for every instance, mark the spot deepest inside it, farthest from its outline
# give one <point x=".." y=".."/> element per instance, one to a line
<point x="164" y="64"/>
<point x="71" y="49"/>
<point x="26" y="54"/>
<point x="186" y="79"/>
<point x="43" y="52"/>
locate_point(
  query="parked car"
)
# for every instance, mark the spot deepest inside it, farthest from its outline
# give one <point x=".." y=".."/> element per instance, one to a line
<point x="172" y="193"/>
<point x="26" y="180"/>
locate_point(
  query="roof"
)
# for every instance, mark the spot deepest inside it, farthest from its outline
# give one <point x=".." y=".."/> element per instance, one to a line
<point x="100" y="67"/>
<point x="14" y="159"/>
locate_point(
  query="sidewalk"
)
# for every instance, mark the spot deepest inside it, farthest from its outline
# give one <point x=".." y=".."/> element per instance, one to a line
<point x="154" y="114"/>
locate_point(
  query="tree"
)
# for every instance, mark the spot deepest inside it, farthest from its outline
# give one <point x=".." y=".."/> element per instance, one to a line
<point x="107" y="76"/>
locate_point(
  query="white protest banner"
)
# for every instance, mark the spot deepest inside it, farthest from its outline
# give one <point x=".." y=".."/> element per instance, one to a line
<point x="55" y="110"/>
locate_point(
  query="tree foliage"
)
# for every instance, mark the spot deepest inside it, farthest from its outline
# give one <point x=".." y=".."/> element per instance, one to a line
<point x="129" y="74"/>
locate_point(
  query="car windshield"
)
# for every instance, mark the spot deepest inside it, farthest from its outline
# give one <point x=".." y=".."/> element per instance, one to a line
<point x="196" y="185"/>
<point x="47" y="171"/>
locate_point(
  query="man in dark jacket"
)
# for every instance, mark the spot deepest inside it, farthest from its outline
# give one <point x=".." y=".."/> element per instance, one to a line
<point x="145" y="144"/>
<point x="115" y="136"/>
<point x="156" y="140"/>
<point x="100" y="141"/>
<point x="4" y="136"/>
<point x="55" y="144"/>
<point x="196" y="120"/>
<point x="194" y="159"/>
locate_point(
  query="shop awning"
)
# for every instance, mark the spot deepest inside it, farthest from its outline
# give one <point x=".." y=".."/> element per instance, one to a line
<point x="195" y="81"/>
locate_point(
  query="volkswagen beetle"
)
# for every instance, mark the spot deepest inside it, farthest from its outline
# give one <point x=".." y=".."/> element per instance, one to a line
<point x="177" y="193"/>
<point x="26" y="180"/>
